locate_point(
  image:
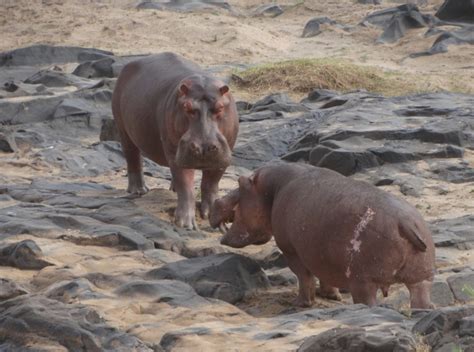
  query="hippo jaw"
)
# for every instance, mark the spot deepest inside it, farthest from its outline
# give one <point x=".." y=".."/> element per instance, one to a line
<point x="238" y="236"/>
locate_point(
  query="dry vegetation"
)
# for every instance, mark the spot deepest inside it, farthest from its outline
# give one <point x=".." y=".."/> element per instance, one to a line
<point x="299" y="77"/>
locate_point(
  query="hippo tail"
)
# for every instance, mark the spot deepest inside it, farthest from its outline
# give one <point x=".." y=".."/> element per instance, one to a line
<point x="412" y="234"/>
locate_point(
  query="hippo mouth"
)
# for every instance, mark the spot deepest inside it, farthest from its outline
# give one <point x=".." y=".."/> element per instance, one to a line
<point x="202" y="164"/>
<point x="186" y="160"/>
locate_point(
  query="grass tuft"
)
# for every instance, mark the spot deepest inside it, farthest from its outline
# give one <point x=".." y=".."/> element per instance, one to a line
<point x="299" y="77"/>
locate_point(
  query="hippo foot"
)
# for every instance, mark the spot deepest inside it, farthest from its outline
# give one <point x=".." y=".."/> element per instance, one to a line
<point x="302" y="302"/>
<point x="204" y="210"/>
<point x="137" y="190"/>
<point x="186" y="220"/>
<point x="330" y="294"/>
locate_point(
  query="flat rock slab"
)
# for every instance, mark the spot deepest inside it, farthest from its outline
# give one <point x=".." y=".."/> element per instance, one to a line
<point x="172" y="292"/>
<point x="28" y="319"/>
<point x="359" y="340"/>
<point x="10" y="289"/>
<point x="229" y="277"/>
<point x="184" y="5"/>
<point x="46" y="55"/>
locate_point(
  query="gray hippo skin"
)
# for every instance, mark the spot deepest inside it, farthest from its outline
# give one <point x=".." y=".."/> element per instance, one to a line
<point x="177" y="115"/>
<point x="347" y="233"/>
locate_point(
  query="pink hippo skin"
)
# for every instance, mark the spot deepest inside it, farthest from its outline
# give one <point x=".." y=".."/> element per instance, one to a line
<point x="347" y="233"/>
<point x="175" y="114"/>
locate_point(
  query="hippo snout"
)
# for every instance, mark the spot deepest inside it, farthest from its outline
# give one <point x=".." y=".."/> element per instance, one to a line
<point x="208" y="154"/>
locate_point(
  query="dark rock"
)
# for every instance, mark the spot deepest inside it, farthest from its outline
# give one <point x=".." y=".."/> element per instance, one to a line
<point x="95" y="69"/>
<point x="7" y="143"/>
<point x="72" y="291"/>
<point x="47" y="55"/>
<point x="229" y="277"/>
<point x="282" y="277"/>
<point x="263" y="141"/>
<point x="50" y="78"/>
<point x="466" y="326"/>
<point x="462" y="286"/>
<point x="175" y="293"/>
<point x="453" y="171"/>
<point x="271" y="335"/>
<point x="441" y="294"/>
<point x="345" y="162"/>
<point x="457" y="10"/>
<point x="243" y="106"/>
<point x="442" y="320"/>
<point x="270" y="258"/>
<point x="91" y="103"/>
<point x="269" y="10"/>
<point x="457" y="232"/>
<point x="9" y="289"/>
<point x="75" y="327"/>
<point x="371" y="2"/>
<point x="260" y="116"/>
<point x="384" y="182"/>
<point x="170" y="339"/>
<point x="23" y="255"/>
<point x="319" y="95"/>
<point x="462" y="36"/>
<point x="184" y="5"/>
<point x="313" y="26"/>
<point x="396" y="21"/>
<point x="109" y="131"/>
<point x="161" y="256"/>
<point x="412" y="187"/>
<point x="279" y="102"/>
<point x="359" y="340"/>
<point x="298" y="155"/>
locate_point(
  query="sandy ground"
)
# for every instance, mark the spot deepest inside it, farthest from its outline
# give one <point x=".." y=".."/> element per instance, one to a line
<point x="212" y="38"/>
<point x="219" y="37"/>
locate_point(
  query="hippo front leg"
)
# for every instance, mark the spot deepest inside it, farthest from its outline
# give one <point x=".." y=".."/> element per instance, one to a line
<point x="183" y="183"/>
<point x="209" y="188"/>
<point x="306" y="281"/>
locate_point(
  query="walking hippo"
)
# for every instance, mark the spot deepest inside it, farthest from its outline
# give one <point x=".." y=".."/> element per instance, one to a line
<point x="347" y="233"/>
<point x="174" y="113"/>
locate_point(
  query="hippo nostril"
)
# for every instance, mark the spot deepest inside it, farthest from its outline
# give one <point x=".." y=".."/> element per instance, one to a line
<point x="194" y="147"/>
<point x="211" y="148"/>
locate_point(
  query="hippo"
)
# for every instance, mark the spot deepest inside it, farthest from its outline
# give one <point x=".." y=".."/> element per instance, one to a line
<point x="348" y="233"/>
<point x="171" y="111"/>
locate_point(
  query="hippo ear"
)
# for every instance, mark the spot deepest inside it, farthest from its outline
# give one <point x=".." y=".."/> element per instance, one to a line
<point x="224" y="89"/>
<point x="254" y="179"/>
<point x="248" y="181"/>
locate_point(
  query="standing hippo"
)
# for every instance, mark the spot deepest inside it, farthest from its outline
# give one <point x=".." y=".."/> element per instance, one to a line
<point x="347" y="233"/>
<point x="172" y="112"/>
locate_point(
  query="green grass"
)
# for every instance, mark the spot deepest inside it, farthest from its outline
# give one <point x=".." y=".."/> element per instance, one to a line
<point x="299" y="77"/>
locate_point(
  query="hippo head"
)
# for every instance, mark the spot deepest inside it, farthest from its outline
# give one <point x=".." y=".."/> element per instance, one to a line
<point x="209" y="116"/>
<point x="250" y="212"/>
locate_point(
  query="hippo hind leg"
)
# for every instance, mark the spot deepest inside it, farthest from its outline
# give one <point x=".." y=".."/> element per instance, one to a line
<point x="364" y="292"/>
<point x="136" y="182"/>
<point x="306" y="281"/>
<point x="329" y="292"/>
<point x="420" y="294"/>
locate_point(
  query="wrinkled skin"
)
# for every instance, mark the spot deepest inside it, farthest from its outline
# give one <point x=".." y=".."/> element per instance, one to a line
<point x="169" y="110"/>
<point x="347" y="233"/>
